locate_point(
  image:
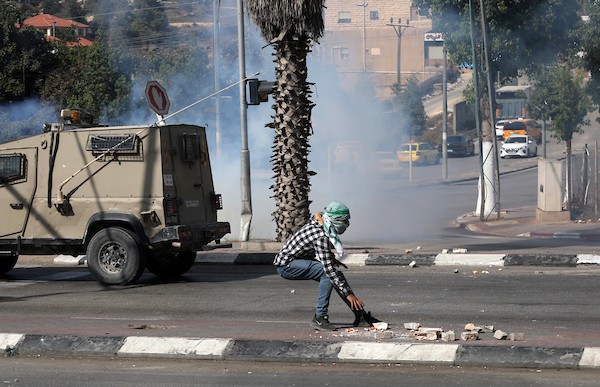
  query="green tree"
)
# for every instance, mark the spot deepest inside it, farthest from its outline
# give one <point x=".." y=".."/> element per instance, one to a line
<point x="518" y="38"/>
<point x="290" y="26"/>
<point x="411" y="105"/>
<point x="562" y="97"/>
<point x="148" y="24"/>
<point x="51" y="7"/>
<point x="72" y="10"/>
<point x="95" y="82"/>
<point x="590" y="46"/>
<point x="24" y="56"/>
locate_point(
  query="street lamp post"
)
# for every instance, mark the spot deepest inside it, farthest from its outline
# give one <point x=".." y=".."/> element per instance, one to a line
<point x="364" y="34"/>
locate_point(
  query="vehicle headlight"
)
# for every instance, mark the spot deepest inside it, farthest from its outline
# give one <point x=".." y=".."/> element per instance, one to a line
<point x="524" y="148"/>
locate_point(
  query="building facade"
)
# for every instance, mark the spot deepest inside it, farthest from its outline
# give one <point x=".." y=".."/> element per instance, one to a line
<point x="382" y="38"/>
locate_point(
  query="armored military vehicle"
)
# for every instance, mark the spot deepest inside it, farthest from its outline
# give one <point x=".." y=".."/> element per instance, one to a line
<point x="130" y="198"/>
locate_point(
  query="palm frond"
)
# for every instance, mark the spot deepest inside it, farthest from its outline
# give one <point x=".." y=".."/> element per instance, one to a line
<point x="293" y="17"/>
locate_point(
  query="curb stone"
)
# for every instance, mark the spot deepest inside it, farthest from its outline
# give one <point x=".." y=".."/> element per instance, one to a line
<point x="264" y="350"/>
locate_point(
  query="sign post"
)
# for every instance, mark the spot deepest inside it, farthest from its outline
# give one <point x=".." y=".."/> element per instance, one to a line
<point x="157" y="98"/>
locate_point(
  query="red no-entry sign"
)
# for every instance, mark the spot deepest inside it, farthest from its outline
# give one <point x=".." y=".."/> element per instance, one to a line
<point x="157" y="98"/>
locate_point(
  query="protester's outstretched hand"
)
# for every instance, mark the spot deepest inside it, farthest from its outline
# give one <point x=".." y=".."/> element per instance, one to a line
<point x="355" y="302"/>
<point x="337" y="263"/>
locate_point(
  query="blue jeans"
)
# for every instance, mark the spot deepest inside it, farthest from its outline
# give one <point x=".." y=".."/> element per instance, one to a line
<point x="303" y="269"/>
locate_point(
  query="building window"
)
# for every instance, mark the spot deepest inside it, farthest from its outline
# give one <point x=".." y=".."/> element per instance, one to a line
<point x="345" y="53"/>
<point x="344" y="17"/>
<point x="374" y="15"/>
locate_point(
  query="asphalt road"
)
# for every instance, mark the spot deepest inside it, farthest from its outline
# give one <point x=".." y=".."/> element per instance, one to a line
<point x="44" y="372"/>
<point x="552" y="306"/>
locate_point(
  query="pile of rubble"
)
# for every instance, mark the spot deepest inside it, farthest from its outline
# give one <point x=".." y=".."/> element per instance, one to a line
<point x="471" y="332"/>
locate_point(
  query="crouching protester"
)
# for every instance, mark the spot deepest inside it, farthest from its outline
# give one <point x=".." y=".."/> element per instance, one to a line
<point x="308" y="255"/>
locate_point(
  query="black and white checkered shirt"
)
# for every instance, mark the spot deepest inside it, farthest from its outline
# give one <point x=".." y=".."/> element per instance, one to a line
<point x="312" y="243"/>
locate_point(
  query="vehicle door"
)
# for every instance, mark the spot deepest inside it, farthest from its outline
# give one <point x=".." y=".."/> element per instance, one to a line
<point x="18" y="182"/>
<point x="188" y="176"/>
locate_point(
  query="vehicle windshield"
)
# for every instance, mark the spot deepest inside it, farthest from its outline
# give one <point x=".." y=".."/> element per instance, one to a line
<point x="405" y="147"/>
<point x="514" y="126"/>
<point x="454" y="139"/>
<point x="516" y="140"/>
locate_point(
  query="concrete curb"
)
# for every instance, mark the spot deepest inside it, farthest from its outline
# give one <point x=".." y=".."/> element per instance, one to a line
<point x="405" y="259"/>
<point x="422" y="259"/>
<point x="306" y="351"/>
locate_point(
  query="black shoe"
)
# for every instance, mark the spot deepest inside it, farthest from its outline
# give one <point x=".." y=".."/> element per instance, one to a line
<point x="367" y="319"/>
<point x="322" y="323"/>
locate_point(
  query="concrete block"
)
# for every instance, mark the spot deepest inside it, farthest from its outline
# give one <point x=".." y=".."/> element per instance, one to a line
<point x="384" y="335"/>
<point x="516" y="336"/>
<point x="469" y="336"/>
<point x="500" y="335"/>
<point x="448" y="336"/>
<point x="412" y="325"/>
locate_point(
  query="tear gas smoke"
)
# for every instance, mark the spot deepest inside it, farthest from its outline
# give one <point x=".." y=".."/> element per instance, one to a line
<point x="379" y="207"/>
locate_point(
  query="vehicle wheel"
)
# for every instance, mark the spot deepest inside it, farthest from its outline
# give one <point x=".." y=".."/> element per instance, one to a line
<point x="535" y="153"/>
<point x="170" y="265"/>
<point x="7" y="264"/>
<point x="114" y="257"/>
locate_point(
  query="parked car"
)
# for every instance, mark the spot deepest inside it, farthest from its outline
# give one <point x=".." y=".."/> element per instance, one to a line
<point x="384" y="163"/>
<point x="419" y="152"/>
<point x="500" y="129"/>
<point x="459" y="145"/>
<point x="523" y="127"/>
<point x="519" y="146"/>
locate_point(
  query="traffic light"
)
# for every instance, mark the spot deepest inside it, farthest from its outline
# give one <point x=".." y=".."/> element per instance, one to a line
<point x="259" y="91"/>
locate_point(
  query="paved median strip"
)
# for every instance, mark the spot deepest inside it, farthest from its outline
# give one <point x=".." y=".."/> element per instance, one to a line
<point x="213" y="348"/>
<point x="266" y="350"/>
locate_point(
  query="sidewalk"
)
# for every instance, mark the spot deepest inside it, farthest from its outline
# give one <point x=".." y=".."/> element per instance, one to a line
<point x="522" y="222"/>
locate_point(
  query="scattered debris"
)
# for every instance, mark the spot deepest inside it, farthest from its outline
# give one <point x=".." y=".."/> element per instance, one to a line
<point x="459" y="251"/>
<point x="144" y="326"/>
<point x="293" y="291"/>
<point x="380" y="326"/>
<point x="408" y="251"/>
<point x="10" y="351"/>
<point x="412" y="326"/>
<point x="413" y="264"/>
<point x="516" y="336"/>
<point x="500" y="335"/>
<point x="419" y="247"/>
<point x="384" y="335"/>
<point x="469" y="336"/>
<point x="455" y="270"/>
<point x="448" y="336"/>
<point x="444" y="251"/>
<point x="475" y="272"/>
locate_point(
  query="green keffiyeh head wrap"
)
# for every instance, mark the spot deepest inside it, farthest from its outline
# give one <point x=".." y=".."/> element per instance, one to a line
<point x="336" y="219"/>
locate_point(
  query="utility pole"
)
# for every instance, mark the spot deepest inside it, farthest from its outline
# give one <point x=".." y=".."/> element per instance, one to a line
<point x="364" y="34"/>
<point x="399" y="28"/>
<point x="216" y="54"/>
<point x="445" y="116"/>
<point x="244" y="151"/>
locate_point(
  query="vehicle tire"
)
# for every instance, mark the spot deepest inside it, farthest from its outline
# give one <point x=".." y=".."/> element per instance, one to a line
<point x="170" y="265"/>
<point x="7" y="264"/>
<point x="535" y="153"/>
<point x="114" y="256"/>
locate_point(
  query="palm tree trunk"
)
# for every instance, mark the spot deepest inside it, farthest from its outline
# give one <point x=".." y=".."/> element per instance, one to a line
<point x="292" y="124"/>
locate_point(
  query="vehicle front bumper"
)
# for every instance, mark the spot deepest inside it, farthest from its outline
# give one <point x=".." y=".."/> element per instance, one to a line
<point x="521" y="152"/>
<point x="190" y="237"/>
